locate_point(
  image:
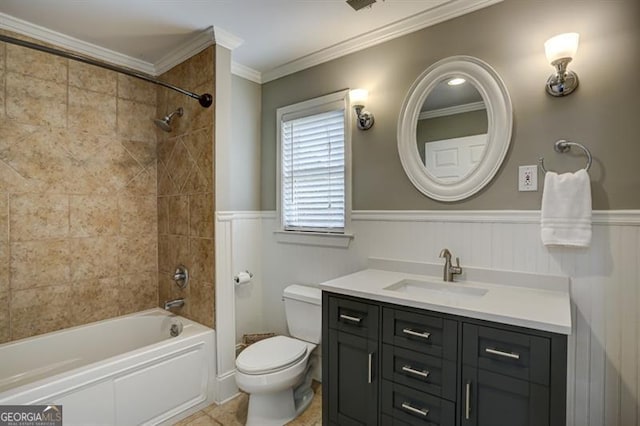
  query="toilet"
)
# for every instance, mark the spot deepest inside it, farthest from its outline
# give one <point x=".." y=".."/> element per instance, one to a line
<point x="276" y="372"/>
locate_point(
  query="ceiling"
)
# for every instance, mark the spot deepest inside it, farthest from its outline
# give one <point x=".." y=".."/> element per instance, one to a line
<point x="274" y="32"/>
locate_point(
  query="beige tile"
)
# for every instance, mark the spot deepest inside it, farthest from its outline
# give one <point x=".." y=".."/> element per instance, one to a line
<point x="5" y="332"/>
<point x="4" y="268"/>
<point x="144" y="183"/>
<point x="201" y="303"/>
<point x="163" y="216"/>
<point x="41" y="310"/>
<point x="38" y="158"/>
<point x="135" y="121"/>
<point x="33" y="63"/>
<point x="200" y="68"/>
<point x="197" y="142"/>
<point x="138" y="253"/>
<point x="138" y="292"/>
<point x="39" y="216"/>
<point x="164" y="149"/>
<point x="83" y="145"/>
<point x="198" y="182"/>
<point x="138" y="214"/>
<point x="2" y="92"/>
<point x="10" y="179"/>
<point x="180" y="165"/>
<point x="39" y="263"/>
<point x="4" y="217"/>
<point x="202" y="259"/>
<point x="91" y="111"/>
<point x="93" y="215"/>
<point x="173" y="250"/>
<point x="230" y="413"/>
<point x="35" y="101"/>
<point x="143" y="151"/>
<point x="136" y="90"/>
<point x="165" y="183"/>
<point x="92" y="78"/>
<point x="199" y="418"/>
<point x="201" y="211"/>
<point x="95" y="300"/>
<point x="178" y="214"/>
<point x="114" y="166"/>
<point x="95" y="257"/>
<point x="3" y="48"/>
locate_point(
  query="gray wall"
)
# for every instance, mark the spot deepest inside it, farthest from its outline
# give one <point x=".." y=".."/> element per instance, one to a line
<point x="449" y="127"/>
<point x="245" y="145"/>
<point x="602" y="114"/>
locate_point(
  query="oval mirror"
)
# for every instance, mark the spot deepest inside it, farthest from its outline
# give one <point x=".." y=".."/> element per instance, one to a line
<point x="454" y="128"/>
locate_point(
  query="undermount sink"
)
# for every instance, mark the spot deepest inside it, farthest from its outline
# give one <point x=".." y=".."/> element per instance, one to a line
<point x="429" y="288"/>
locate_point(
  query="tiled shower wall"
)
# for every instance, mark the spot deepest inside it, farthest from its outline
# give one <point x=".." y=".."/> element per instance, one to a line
<point x="78" y="220"/>
<point x="185" y="189"/>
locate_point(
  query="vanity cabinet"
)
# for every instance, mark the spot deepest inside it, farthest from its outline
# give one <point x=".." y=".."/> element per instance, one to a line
<point x="385" y="364"/>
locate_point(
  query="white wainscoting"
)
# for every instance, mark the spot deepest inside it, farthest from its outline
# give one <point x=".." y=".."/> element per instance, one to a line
<point x="604" y="349"/>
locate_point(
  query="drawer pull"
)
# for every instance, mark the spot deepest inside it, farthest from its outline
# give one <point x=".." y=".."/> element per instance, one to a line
<point x="504" y="354"/>
<point x="467" y="401"/>
<point x="350" y="318"/>
<point x="422" y="334"/>
<point x="421" y="411"/>
<point x="422" y="373"/>
<point x="370" y="372"/>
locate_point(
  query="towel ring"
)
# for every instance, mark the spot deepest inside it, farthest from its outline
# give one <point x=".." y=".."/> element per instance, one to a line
<point x="563" y="146"/>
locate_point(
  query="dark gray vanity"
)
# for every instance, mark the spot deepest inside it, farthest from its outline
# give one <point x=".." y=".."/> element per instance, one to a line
<point x="387" y="364"/>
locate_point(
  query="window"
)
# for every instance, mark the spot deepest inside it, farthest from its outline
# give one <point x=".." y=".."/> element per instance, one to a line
<point x="314" y="169"/>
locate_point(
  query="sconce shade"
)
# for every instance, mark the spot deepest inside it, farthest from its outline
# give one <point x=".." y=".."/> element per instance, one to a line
<point x="358" y="96"/>
<point x="560" y="50"/>
<point x="562" y="46"/>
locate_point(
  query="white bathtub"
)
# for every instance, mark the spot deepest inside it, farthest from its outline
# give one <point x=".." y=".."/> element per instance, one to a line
<point x="121" y="371"/>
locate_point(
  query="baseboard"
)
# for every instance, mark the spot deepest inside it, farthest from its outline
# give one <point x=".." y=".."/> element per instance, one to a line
<point x="226" y="387"/>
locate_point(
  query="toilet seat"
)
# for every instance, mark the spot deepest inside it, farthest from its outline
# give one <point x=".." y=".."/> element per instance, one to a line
<point x="271" y="355"/>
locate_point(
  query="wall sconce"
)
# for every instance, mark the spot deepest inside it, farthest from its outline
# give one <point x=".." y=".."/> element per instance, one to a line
<point x="364" y="119"/>
<point x="560" y="50"/>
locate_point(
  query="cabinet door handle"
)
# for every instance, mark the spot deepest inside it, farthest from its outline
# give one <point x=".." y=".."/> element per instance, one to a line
<point x="370" y="372"/>
<point x="422" y="373"/>
<point x="350" y="318"/>
<point x="511" y="355"/>
<point x="422" y="334"/>
<point x="408" y="407"/>
<point x="467" y="401"/>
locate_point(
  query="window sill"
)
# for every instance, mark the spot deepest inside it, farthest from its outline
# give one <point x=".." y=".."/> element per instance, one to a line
<point x="313" y="239"/>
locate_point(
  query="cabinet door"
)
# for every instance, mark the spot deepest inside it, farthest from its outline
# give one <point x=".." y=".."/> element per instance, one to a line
<point x="490" y="399"/>
<point x="353" y="379"/>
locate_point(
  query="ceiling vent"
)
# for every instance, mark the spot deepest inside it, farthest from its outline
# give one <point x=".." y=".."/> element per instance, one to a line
<point x="359" y="4"/>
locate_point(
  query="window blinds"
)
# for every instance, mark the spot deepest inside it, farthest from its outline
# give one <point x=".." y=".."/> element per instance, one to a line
<point x="313" y="172"/>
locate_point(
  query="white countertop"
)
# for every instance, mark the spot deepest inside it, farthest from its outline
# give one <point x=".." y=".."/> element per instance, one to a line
<point x="534" y="301"/>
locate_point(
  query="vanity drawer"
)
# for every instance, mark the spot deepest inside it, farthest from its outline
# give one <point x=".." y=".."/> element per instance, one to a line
<point x="411" y="407"/>
<point x="353" y="317"/>
<point x="509" y="353"/>
<point x="420" y="332"/>
<point x="419" y="371"/>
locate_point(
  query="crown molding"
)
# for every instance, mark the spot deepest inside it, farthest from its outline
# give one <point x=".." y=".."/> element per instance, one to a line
<point x="8" y="22"/>
<point x="457" y="109"/>
<point x="441" y="13"/>
<point x="246" y="72"/>
<point x="184" y="51"/>
<point x="226" y="39"/>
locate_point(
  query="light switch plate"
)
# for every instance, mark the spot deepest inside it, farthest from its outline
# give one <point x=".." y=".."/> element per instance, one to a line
<point x="528" y="178"/>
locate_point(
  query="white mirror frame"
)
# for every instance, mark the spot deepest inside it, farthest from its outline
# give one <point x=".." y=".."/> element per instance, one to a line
<point x="499" y="126"/>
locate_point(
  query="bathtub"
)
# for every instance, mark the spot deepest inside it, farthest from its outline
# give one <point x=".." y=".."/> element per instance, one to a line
<point x="122" y="371"/>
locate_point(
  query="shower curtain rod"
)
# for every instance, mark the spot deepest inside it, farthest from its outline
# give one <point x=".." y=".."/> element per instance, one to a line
<point x="205" y="99"/>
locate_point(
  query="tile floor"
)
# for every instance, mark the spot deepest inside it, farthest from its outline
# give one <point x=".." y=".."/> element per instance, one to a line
<point x="234" y="413"/>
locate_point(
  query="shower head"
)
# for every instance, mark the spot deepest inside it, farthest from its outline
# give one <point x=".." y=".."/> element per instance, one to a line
<point x="165" y="123"/>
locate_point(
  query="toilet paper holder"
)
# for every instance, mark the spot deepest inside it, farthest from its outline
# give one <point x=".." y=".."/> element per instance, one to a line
<point x="242" y="277"/>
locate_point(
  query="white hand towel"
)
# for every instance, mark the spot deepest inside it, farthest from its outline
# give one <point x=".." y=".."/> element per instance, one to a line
<point x="566" y="209"/>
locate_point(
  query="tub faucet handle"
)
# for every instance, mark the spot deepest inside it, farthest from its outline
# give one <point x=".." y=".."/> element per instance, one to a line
<point x="181" y="276"/>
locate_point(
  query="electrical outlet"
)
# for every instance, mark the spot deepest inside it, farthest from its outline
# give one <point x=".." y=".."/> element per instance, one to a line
<point x="528" y="178"/>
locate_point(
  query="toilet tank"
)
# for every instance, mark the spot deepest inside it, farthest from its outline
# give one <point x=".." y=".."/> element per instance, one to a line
<point x="302" y="306"/>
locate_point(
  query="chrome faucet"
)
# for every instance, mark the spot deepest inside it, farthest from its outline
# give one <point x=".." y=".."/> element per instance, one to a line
<point x="175" y="303"/>
<point x="449" y="269"/>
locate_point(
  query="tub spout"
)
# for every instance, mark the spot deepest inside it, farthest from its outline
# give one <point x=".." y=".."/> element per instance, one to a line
<point x="175" y="303"/>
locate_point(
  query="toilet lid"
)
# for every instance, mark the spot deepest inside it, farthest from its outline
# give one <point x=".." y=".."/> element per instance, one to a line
<point x="272" y="354"/>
